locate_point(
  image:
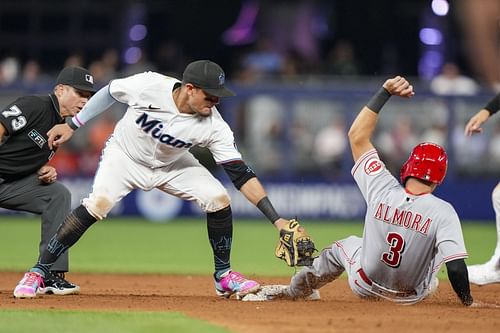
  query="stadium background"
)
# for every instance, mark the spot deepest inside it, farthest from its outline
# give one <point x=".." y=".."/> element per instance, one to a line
<point x="301" y="70"/>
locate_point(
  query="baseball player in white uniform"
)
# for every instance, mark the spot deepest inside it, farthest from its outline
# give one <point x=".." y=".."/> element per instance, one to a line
<point x="150" y="149"/>
<point x="408" y="232"/>
<point x="489" y="272"/>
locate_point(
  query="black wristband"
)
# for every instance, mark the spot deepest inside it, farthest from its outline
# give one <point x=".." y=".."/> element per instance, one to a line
<point x="266" y="207"/>
<point x="70" y="123"/>
<point x="493" y="105"/>
<point x="378" y="100"/>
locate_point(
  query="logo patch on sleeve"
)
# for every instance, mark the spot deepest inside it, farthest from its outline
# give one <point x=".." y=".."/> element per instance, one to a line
<point x="37" y="138"/>
<point x="373" y="166"/>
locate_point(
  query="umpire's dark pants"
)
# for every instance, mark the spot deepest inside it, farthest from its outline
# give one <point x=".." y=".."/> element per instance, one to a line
<point x="51" y="201"/>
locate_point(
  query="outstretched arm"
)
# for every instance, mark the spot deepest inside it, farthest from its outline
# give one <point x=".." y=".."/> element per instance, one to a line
<point x="98" y="103"/>
<point x="362" y="128"/>
<point x="474" y="124"/>
<point x="256" y="194"/>
<point x="245" y="180"/>
<point x="295" y="246"/>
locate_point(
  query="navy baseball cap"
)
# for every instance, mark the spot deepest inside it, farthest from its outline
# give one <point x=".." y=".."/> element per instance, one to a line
<point x="78" y="78"/>
<point x="208" y="76"/>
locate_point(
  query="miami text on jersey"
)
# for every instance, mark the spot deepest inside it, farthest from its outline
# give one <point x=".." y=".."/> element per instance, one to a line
<point x="403" y="218"/>
<point x="154" y="128"/>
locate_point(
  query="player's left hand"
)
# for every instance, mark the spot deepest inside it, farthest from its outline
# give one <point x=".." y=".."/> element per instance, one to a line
<point x="399" y="86"/>
<point x="58" y="135"/>
<point x="295" y="246"/>
<point x="47" y="174"/>
<point x="474" y="124"/>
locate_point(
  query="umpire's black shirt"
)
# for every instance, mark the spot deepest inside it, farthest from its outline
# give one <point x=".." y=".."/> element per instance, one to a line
<point x="24" y="149"/>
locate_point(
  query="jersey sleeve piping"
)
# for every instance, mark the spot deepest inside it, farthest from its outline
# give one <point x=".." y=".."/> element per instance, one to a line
<point x="229" y="161"/>
<point x="450" y="258"/>
<point x="80" y="123"/>
<point x="456" y="256"/>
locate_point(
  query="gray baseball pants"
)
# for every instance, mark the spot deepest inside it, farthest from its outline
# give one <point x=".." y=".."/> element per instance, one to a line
<point x="51" y="201"/>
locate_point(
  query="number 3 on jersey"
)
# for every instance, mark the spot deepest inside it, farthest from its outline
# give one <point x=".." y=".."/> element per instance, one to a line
<point x="396" y="243"/>
<point x="18" y="122"/>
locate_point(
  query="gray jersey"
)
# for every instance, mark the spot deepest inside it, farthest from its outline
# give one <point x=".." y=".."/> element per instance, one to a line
<point x="404" y="234"/>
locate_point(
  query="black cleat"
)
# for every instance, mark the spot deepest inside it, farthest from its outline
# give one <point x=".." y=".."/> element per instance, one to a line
<point x="56" y="284"/>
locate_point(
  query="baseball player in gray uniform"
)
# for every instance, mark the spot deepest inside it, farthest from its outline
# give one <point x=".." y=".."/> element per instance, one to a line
<point x="489" y="272"/>
<point x="150" y="149"/>
<point x="408" y="232"/>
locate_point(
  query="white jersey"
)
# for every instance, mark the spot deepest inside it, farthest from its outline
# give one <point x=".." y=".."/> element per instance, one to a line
<point x="405" y="236"/>
<point x="154" y="133"/>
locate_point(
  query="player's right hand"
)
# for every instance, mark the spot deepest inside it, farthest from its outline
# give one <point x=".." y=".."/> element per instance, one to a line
<point x="474" y="124"/>
<point x="58" y="135"/>
<point x="399" y="86"/>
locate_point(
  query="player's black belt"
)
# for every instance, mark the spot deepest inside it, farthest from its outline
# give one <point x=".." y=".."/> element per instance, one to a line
<point x="380" y="290"/>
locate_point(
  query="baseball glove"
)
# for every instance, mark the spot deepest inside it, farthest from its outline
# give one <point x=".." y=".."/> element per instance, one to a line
<point x="295" y="246"/>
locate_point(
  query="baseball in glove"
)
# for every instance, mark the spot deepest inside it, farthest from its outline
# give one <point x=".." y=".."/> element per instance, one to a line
<point x="295" y="246"/>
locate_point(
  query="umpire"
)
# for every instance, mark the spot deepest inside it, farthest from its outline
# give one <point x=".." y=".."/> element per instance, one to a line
<point x="27" y="182"/>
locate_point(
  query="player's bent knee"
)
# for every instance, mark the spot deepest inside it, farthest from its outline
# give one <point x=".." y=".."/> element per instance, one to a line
<point x="98" y="206"/>
<point x="58" y="189"/>
<point x="217" y="203"/>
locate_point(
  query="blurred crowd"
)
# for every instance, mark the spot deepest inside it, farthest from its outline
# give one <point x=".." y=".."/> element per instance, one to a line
<point x="309" y="138"/>
<point x="260" y="62"/>
<point x="305" y="138"/>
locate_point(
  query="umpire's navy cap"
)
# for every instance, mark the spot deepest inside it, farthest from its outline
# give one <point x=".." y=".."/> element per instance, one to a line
<point x="208" y="76"/>
<point x="77" y="77"/>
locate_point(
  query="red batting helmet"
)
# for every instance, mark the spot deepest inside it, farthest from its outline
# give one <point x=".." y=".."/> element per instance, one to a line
<point x="427" y="161"/>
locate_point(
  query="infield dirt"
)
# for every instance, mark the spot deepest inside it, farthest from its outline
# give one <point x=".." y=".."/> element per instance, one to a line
<point x="337" y="311"/>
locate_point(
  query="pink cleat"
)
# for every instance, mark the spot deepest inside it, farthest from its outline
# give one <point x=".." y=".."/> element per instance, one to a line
<point x="235" y="283"/>
<point x="28" y="286"/>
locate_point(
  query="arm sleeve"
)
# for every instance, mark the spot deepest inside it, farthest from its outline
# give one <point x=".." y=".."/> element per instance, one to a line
<point x="238" y="172"/>
<point x="457" y="273"/>
<point x="493" y="105"/>
<point x="100" y="102"/>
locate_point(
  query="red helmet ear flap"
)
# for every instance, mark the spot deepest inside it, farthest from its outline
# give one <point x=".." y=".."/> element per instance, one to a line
<point x="427" y="161"/>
